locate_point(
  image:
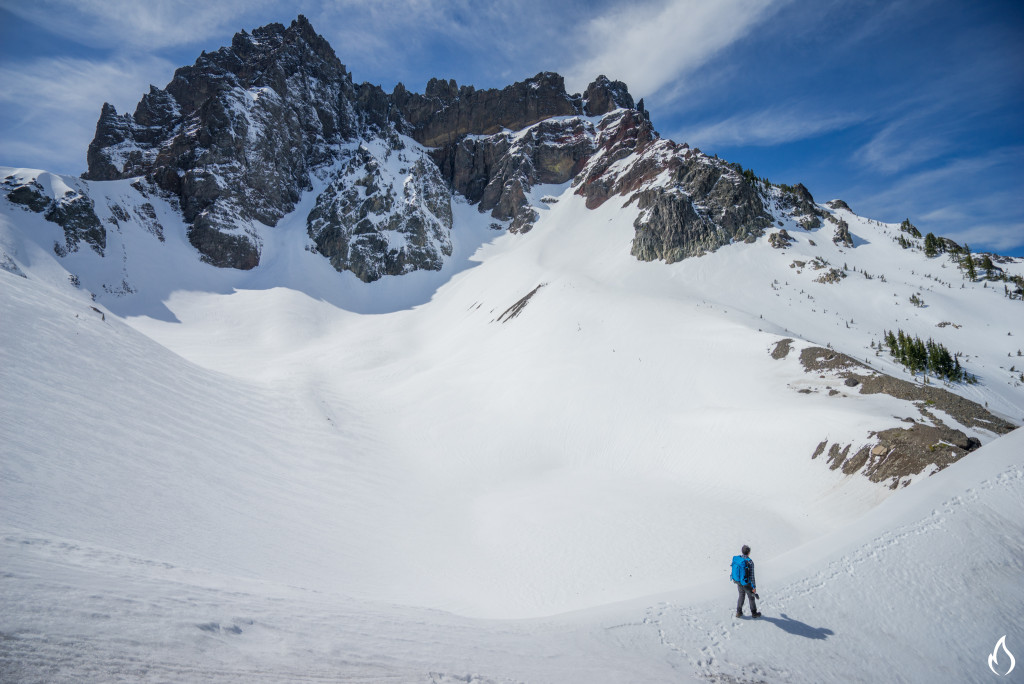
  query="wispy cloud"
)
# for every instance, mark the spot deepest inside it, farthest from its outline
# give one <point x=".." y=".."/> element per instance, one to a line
<point x="50" y="106"/>
<point x="395" y="38"/>
<point x="966" y="170"/>
<point x="128" y="24"/>
<point x="1003" y="237"/>
<point x="652" y="45"/>
<point x="73" y="84"/>
<point x="899" y="145"/>
<point x="969" y="199"/>
<point x="772" y="126"/>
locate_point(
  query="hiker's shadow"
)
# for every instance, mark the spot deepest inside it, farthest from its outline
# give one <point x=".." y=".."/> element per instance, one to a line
<point x="798" y="628"/>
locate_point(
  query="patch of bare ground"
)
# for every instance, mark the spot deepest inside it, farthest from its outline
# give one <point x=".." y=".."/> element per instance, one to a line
<point x="782" y="348"/>
<point x="900" y="453"/>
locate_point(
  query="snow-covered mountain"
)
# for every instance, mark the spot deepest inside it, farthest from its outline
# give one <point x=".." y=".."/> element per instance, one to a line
<point x="294" y="345"/>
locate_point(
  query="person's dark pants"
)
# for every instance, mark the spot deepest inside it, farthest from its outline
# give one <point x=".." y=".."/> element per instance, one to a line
<point x="749" y="594"/>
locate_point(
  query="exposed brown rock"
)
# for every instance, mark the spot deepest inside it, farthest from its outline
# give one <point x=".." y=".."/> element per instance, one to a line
<point x="781" y="240"/>
<point x="899" y="453"/>
<point x="782" y="348"/>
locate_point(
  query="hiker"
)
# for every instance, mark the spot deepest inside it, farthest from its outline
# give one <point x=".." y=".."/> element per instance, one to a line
<point x="743" y="576"/>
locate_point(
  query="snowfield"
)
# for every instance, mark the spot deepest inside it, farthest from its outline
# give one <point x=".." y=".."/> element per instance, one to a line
<point x="531" y="466"/>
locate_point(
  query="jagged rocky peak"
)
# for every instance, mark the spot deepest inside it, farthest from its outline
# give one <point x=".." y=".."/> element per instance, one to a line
<point x="446" y="112"/>
<point x="268" y="57"/>
<point x="271" y="57"/>
<point x="234" y="136"/>
<point x="553" y="144"/>
<point x="237" y="137"/>
<point x="604" y="95"/>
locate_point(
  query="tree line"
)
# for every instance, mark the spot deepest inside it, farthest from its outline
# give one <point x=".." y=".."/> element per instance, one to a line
<point x="926" y="357"/>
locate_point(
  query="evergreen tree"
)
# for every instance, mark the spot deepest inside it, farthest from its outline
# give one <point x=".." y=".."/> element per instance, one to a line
<point x="986" y="263"/>
<point x="890" y="341"/>
<point x="908" y="227"/>
<point x="929" y="357"/>
<point x="968" y="263"/>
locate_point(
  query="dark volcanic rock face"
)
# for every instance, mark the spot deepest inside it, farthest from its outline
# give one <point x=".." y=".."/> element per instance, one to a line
<point x="445" y="112"/>
<point x="235" y="136"/>
<point x="481" y="156"/>
<point x="603" y="96"/>
<point x="499" y="170"/>
<point x="73" y="210"/>
<point x="375" y="221"/>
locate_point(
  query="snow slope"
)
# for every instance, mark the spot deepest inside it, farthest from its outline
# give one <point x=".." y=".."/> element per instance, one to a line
<point x="338" y="463"/>
<point x="852" y="607"/>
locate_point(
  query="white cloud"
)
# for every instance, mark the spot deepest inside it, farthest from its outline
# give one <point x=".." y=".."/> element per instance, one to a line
<point x="483" y="44"/>
<point x="772" y="126"/>
<point x="650" y="46"/>
<point x="126" y="24"/>
<point x="965" y="173"/>
<point x="999" y="237"/>
<point x="73" y="84"/>
<point x="900" y="144"/>
<point x="972" y="199"/>
<point x="50" y="106"/>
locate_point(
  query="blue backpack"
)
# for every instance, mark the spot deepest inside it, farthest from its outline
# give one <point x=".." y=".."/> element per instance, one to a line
<point x="739" y="569"/>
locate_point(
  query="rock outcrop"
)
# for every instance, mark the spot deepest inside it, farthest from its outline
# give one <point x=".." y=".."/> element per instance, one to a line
<point x="896" y="454"/>
<point x="796" y="200"/>
<point x="235" y="136"/>
<point x="689" y="203"/>
<point x="781" y="239"/>
<point x="842" y="235"/>
<point x="239" y="136"/>
<point x="374" y="221"/>
<point x="498" y="171"/>
<point x="71" y="208"/>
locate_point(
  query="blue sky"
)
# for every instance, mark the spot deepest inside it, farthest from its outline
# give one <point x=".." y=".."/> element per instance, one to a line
<point x="905" y="109"/>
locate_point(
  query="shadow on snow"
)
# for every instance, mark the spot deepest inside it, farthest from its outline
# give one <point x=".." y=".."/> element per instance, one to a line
<point x="788" y="624"/>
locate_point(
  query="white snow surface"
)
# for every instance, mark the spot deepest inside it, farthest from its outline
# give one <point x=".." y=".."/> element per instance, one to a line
<point x="289" y="475"/>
